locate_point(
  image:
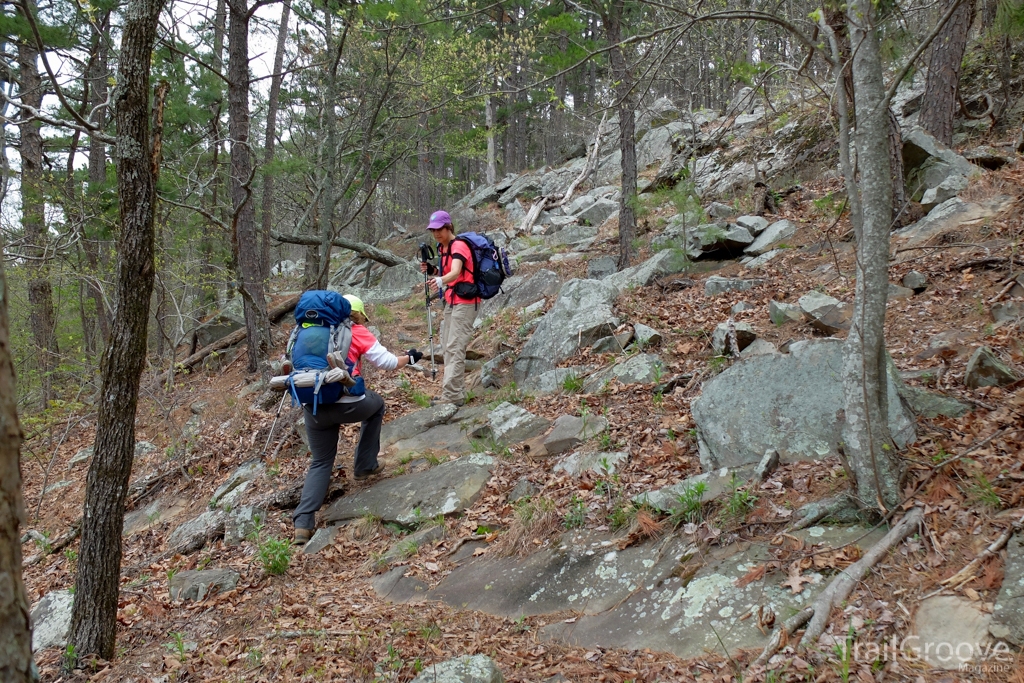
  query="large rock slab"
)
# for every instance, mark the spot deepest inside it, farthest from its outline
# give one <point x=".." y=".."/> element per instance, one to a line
<point x="643" y="368"/>
<point x="1008" y="612"/>
<point x="713" y="485"/>
<point x="581" y="315"/>
<point x="951" y="631"/>
<point x="511" y="424"/>
<point x="197" y="584"/>
<point x="928" y="162"/>
<point x="720" y="343"/>
<point x="141" y="448"/>
<point x="791" y="402"/>
<point x="949" y="216"/>
<point x="694" y="610"/>
<point x="984" y="369"/>
<point x="601" y="463"/>
<point x="656" y="146"/>
<point x="781" y="313"/>
<point x="526" y="183"/>
<point x="466" y="669"/>
<point x="773" y="235"/>
<point x="51" y="620"/>
<point x="929" y="404"/>
<point x="442" y="490"/>
<point x="519" y="291"/>
<point x="230" y="493"/>
<point x="481" y="195"/>
<point x="598" y="212"/>
<point x="553" y="381"/>
<point x="665" y="262"/>
<point x="416" y="423"/>
<point x="157" y="512"/>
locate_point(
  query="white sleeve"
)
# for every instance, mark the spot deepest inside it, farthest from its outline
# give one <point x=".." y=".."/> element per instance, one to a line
<point x="381" y="357"/>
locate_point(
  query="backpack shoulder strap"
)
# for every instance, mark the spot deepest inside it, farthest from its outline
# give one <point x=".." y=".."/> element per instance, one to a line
<point x="291" y="339"/>
<point x="341" y="338"/>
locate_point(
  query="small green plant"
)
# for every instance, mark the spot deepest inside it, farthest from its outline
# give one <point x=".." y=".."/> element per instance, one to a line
<point x="984" y="493"/>
<point x="171" y="572"/>
<point x="604" y="440"/>
<point x="433" y="459"/>
<point x="572" y="384"/>
<point x="844" y="653"/>
<point x="717" y="364"/>
<point x="430" y="632"/>
<point x="382" y="314"/>
<point x="275" y="554"/>
<point x="576" y="516"/>
<point x="621" y="516"/>
<point x="658" y="400"/>
<point x="177" y="645"/>
<point x="740" y="501"/>
<point x="69" y="658"/>
<point x="671" y="434"/>
<point x="274" y="471"/>
<point x="43" y="542"/>
<point x="70" y="555"/>
<point x="658" y="371"/>
<point x="691" y="504"/>
<point x="407" y="548"/>
<point x="254" y="657"/>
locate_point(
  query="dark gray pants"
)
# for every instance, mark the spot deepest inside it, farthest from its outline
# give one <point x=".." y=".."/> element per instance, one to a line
<point x="322" y="432"/>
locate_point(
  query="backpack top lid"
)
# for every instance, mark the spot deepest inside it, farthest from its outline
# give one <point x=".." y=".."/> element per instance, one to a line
<point x="322" y="307"/>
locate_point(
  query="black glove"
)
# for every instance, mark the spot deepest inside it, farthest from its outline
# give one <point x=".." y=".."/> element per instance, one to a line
<point x="415" y="355"/>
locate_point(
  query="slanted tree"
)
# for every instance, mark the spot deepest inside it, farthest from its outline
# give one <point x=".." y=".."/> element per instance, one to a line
<point x="15" y="634"/>
<point x="97" y="585"/>
<point x="939" y="106"/>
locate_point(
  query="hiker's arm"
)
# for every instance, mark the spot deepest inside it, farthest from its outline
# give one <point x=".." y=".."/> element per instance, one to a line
<point x="385" y="360"/>
<point x="451" y="277"/>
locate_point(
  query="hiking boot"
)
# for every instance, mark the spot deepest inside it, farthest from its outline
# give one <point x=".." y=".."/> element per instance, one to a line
<point x="366" y="475"/>
<point x="302" y="536"/>
<point x="458" y="403"/>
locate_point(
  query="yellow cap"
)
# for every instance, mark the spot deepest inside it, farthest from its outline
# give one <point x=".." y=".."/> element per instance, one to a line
<point x="357" y="305"/>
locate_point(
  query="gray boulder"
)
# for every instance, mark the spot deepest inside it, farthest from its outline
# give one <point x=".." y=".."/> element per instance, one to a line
<point x="791" y="402"/>
<point x="570" y="431"/>
<point x="231" y="491"/>
<point x="1007" y="311"/>
<point x="758" y="347"/>
<point x="745" y="336"/>
<point x="763" y="260"/>
<point x="950" y="187"/>
<point x="197" y="584"/>
<point x="825" y="313"/>
<point x="415" y="423"/>
<point x="481" y="195"/>
<point x="511" y="424"/>
<point x="772" y="236"/>
<point x="553" y="381"/>
<point x="491" y="374"/>
<point x="719" y="210"/>
<point x="601" y="463"/>
<point x="915" y="281"/>
<point x="51" y="620"/>
<point x="643" y="368"/>
<point x="519" y="291"/>
<point x="601" y="267"/>
<point x="526" y="183"/>
<point x="719" y="237"/>
<point x="515" y="212"/>
<point x="896" y="292"/>
<point x="230" y="318"/>
<point x="646" y="336"/>
<point x="754" y="224"/>
<point x="581" y="315"/>
<point x="598" y="212"/>
<point x="716" y="285"/>
<point x="410" y="545"/>
<point x="658" y="113"/>
<point x="929" y="404"/>
<point x="141" y="448"/>
<point x="579" y="204"/>
<point x="195" y="533"/>
<point x="414" y="498"/>
<point x="666" y="262"/>
<point x="1008" y="612"/>
<point x="475" y="669"/>
<point x="929" y="162"/>
<point x="781" y="313"/>
<point x="656" y="146"/>
<point x="575" y="235"/>
<point x="984" y="369"/>
<point x="711" y="484"/>
<point x="615" y="343"/>
<point x="241" y="521"/>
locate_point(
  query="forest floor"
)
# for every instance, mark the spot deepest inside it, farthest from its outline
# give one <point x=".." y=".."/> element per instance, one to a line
<point x="321" y="620"/>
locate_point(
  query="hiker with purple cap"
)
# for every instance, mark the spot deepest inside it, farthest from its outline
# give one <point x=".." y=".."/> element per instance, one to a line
<point x="460" y="299"/>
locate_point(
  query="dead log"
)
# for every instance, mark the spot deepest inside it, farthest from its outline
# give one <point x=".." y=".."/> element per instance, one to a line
<point x="365" y="250"/>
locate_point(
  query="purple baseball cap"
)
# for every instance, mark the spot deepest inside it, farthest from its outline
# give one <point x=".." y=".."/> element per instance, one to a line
<point x="438" y="220"/>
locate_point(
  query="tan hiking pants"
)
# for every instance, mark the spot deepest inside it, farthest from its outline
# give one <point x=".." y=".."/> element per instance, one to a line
<point x="456" y="334"/>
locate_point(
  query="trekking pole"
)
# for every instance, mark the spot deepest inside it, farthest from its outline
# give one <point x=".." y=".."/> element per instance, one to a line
<point x="273" y="425"/>
<point x="424" y="257"/>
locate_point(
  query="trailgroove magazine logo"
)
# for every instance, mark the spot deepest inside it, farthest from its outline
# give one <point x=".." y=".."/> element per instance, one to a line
<point x="986" y="657"/>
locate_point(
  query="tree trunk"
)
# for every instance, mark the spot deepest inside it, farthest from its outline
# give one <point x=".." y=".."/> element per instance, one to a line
<point x="492" y="165"/>
<point x="33" y="221"/>
<point x="868" y="445"/>
<point x="939" y="106"/>
<point x="98" y="88"/>
<point x="208" y="242"/>
<point x="94" y="615"/>
<point x="899" y="183"/>
<point x="273" y="101"/>
<point x="627" y="132"/>
<point x="243" y="216"/>
<point x="15" y="634"/>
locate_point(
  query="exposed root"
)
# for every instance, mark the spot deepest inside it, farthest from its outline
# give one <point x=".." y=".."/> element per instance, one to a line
<point x="840" y="505"/>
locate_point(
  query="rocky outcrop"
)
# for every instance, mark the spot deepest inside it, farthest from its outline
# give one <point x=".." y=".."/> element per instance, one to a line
<point x="51" y="620"/>
<point x="791" y="402"/>
<point x="197" y="584"/>
<point x="984" y="369"/>
<point x="474" y="669"/>
<point x="825" y="313"/>
<point x="581" y="315"/>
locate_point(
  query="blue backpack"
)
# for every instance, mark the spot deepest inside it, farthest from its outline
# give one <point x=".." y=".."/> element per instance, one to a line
<point x="322" y="327"/>
<point x="490" y="266"/>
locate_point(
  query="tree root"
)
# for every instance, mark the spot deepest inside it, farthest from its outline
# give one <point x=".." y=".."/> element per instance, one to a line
<point x="841" y="505"/>
<point x="839" y="590"/>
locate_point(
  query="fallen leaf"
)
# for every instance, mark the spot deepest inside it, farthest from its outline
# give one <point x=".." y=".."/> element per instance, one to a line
<point x="795" y="582"/>
<point x="755" y="574"/>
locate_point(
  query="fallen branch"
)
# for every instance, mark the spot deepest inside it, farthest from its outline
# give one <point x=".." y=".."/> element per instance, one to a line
<point x="466" y="539"/>
<point x="967" y="573"/>
<point x="59" y="544"/>
<point x="365" y="250"/>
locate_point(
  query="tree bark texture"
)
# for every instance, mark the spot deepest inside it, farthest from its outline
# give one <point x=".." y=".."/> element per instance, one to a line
<point x="939" y="106"/>
<point x="98" y="89"/>
<point x="492" y="164"/>
<point x="243" y="218"/>
<point x="899" y="183"/>
<point x="40" y="291"/>
<point x="15" y="634"/>
<point x="273" y="103"/>
<point x="869" y="447"/>
<point x="94" y="615"/>
<point x="627" y="132"/>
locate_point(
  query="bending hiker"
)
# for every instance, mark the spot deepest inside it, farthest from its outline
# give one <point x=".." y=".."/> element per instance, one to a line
<point x="454" y="280"/>
<point x="323" y="419"/>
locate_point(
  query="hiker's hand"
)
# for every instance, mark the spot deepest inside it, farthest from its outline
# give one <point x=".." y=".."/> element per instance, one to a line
<point x="423" y="266"/>
<point x="435" y="284"/>
<point x="415" y="356"/>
